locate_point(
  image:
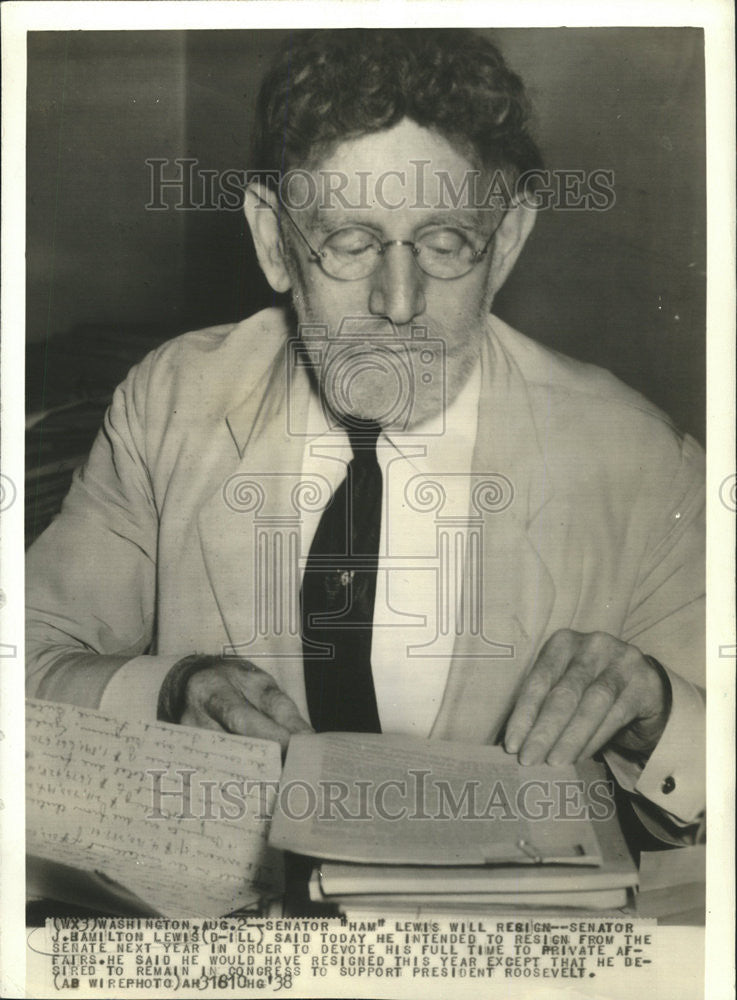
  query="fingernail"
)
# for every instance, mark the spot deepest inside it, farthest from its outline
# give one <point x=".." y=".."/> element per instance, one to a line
<point x="557" y="758"/>
<point x="511" y="744"/>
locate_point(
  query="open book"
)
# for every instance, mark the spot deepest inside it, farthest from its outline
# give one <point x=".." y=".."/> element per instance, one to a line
<point x="147" y="818"/>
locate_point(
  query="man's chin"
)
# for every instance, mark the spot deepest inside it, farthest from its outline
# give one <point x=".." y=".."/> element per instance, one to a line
<point x="383" y="412"/>
<point x="391" y="412"/>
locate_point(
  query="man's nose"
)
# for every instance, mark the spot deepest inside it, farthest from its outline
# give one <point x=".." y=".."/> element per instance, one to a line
<point x="397" y="292"/>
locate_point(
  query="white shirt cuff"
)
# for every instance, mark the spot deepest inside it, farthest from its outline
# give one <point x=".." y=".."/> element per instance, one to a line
<point x="674" y="778"/>
<point x="132" y="693"/>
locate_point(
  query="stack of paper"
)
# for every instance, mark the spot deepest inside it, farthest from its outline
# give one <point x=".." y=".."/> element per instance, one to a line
<point x="405" y="824"/>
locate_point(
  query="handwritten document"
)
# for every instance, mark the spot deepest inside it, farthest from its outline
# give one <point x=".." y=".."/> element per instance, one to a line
<point x="178" y="817"/>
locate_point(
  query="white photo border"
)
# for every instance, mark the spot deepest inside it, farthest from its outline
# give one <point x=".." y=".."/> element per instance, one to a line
<point x="717" y="19"/>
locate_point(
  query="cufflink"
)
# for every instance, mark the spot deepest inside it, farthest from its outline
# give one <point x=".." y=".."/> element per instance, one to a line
<point x="668" y="785"/>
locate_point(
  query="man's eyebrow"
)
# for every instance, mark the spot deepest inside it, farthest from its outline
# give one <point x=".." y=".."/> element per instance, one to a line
<point x="324" y="222"/>
<point x="328" y="221"/>
<point x="469" y="218"/>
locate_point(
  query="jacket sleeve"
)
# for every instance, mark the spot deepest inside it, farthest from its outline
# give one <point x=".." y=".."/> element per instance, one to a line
<point x="91" y="576"/>
<point x="667" y="621"/>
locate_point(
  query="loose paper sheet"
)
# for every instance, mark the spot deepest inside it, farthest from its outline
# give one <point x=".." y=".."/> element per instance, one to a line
<point x="104" y="795"/>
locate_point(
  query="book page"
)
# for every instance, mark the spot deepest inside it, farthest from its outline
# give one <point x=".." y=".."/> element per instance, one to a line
<point x="145" y="805"/>
<point x="398" y="800"/>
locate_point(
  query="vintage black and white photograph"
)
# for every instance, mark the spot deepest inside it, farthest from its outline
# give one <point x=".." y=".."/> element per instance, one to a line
<point x="364" y="509"/>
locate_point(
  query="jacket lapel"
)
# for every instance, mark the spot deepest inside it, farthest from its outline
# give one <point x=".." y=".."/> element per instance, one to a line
<point x="250" y="528"/>
<point x="513" y="589"/>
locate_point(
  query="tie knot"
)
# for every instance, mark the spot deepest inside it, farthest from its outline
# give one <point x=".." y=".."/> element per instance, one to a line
<point x="363" y="435"/>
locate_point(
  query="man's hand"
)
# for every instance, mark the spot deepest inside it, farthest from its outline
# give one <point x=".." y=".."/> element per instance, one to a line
<point x="234" y="695"/>
<point x="586" y="691"/>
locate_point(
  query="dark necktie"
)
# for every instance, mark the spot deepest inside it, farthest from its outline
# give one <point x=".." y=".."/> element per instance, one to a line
<point x="337" y="598"/>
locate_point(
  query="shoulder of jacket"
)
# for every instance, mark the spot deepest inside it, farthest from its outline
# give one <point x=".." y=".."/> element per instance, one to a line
<point x="199" y="376"/>
<point x="216" y="362"/>
<point x="574" y="386"/>
<point x="590" y="424"/>
<point x="253" y="342"/>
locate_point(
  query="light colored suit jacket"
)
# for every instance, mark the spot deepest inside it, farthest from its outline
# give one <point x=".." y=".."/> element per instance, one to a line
<point x="181" y="520"/>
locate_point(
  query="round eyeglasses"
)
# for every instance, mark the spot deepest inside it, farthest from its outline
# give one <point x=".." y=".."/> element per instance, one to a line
<point x="352" y="252"/>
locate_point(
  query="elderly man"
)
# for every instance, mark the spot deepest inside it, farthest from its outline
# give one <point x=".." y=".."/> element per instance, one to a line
<point x="376" y="506"/>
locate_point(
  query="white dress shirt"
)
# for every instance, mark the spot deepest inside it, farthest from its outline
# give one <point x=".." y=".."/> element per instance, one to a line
<point x="411" y="611"/>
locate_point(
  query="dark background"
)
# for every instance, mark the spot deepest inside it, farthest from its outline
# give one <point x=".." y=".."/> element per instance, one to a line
<point x="623" y="288"/>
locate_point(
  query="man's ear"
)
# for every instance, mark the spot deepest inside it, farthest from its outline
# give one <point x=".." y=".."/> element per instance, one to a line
<point x="510" y="238"/>
<point x="261" y="209"/>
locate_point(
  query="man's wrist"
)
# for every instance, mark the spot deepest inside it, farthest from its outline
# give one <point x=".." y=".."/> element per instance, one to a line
<point x="173" y="691"/>
<point x="672" y="778"/>
<point x="639" y="755"/>
<point x="667" y="698"/>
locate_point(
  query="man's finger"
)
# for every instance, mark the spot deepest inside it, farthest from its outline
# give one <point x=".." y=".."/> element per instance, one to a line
<point x="264" y="693"/>
<point x="199" y="720"/>
<point x="261" y="727"/>
<point x="219" y="698"/>
<point x="559" y="708"/>
<point x="548" y="668"/>
<point x="622" y="712"/>
<point x="594" y="707"/>
<point x="228" y="707"/>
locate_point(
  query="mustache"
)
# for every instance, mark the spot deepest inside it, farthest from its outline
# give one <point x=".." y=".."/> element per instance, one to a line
<point x="367" y="329"/>
<point x="364" y="328"/>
